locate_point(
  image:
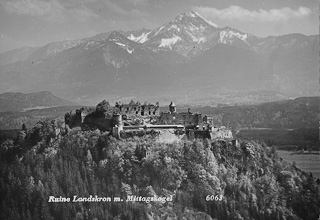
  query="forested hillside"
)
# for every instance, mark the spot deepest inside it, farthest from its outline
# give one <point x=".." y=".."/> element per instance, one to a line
<point x="14" y="120"/>
<point x="293" y="114"/>
<point x="248" y="181"/>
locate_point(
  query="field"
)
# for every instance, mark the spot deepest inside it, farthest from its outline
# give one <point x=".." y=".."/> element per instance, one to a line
<point x="284" y="139"/>
<point x="306" y="162"/>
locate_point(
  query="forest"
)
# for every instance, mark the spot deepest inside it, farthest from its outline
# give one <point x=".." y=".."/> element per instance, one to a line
<point x="207" y="179"/>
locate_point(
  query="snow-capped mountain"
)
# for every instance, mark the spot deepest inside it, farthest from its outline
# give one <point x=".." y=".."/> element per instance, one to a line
<point x="133" y="35"/>
<point x="119" y="51"/>
<point x="33" y="54"/>
<point x="189" y="59"/>
<point x="187" y="32"/>
<point x="236" y="38"/>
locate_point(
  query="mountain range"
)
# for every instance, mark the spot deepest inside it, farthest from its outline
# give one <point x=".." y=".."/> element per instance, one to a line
<point x="188" y="59"/>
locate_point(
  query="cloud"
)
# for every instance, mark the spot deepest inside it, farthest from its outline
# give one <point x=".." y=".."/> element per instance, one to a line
<point x="82" y="13"/>
<point x="49" y="10"/>
<point x="76" y="3"/>
<point x="241" y="14"/>
<point x="126" y="7"/>
<point x="8" y="43"/>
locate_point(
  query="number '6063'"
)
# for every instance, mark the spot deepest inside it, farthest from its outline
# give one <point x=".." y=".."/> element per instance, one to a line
<point x="214" y="197"/>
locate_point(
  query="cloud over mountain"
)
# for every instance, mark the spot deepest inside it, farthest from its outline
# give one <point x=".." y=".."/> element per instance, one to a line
<point x="52" y="10"/>
<point x="235" y="12"/>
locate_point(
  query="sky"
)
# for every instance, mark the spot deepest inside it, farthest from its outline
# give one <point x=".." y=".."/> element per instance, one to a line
<point x="33" y="23"/>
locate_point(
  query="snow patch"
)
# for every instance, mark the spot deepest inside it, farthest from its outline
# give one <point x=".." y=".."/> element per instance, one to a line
<point x="130" y="51"/>
<point x="133" y="38"/>
<point x="169" y="42"/>
<point x="160" y="29"/>
<point x="222" y="39"/>
<point x="125" y="47"/>
<point x="174" y="27"/>
<point x="224" y="35"/>
<point x="241" y="36"/>
<point x="144" y="37"/>
<point x="196" y="39"/>
<point x="140" y="39"/>
<point x="192" y="14"/>
<point x="120" y="44"/>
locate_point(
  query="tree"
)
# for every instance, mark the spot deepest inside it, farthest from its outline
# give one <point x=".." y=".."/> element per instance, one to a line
<point x="24" y="127"/>
<point x="43" y="131"/>
<point x="103" y="106"/>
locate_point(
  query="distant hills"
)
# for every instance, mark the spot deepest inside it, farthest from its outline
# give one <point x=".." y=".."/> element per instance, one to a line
<point x="17" y="102"/>
<point x="299" y="113"/>
<point x="187" y="59"/>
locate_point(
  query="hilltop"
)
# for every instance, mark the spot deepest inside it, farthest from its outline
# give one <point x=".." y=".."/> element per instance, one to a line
<point x="203" y="179"/>
<point x="16" y="101"/>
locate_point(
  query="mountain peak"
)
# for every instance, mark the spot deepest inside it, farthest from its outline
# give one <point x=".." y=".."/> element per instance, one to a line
<point x="195" y="15"/>
<point x="183" y="33"/>
<point x="232" y="36"/>
<point x="191" y="14"/>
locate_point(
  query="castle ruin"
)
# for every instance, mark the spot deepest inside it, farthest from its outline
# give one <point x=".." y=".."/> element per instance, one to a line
<point x="115" y="119"/>
<point x="137" y="108"/>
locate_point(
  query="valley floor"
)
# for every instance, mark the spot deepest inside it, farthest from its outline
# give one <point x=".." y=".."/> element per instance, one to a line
<point x="306" y="162"/>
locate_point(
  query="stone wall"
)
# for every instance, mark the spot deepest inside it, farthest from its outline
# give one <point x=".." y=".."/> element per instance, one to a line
<point x="138" y="109"/>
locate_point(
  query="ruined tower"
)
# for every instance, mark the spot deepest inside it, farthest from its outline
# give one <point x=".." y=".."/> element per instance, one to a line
<point x="117" y="125"/>
<point x="117" y="121"/>
<point x="172" y="107"/>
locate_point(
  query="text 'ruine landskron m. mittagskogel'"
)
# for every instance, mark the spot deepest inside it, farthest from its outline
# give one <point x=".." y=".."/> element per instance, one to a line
<point x="96" y="198"/>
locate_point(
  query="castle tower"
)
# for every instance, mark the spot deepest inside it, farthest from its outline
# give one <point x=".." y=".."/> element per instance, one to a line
<point x="117" y="125"/>
<point x="172" y="107"/>
<point x="83" y="115"/>
<point x="117" y="121"/>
